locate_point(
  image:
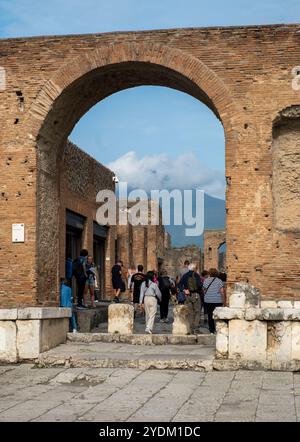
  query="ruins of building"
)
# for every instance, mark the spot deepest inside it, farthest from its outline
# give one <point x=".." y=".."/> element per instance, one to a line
<point x="213" y="239"/>
<point x="142" y="244"/>
<point x="174" y="258"/>
<point x="248" y="76"/>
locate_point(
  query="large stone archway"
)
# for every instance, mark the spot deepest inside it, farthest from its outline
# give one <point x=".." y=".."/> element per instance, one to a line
<point x="61" y="103"/>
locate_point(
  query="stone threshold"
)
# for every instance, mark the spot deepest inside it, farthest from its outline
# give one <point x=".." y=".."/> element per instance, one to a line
<point x="264" y="365"/>
<point x="143" y="339"/>
<point x="140" y="364"/>
<point x="162" y="363"/>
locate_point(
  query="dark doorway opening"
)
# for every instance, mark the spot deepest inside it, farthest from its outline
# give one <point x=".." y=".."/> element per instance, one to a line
<point x="99" y="241"/>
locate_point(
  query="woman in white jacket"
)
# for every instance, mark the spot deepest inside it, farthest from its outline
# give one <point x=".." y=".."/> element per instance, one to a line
<point x="149" y="296"/>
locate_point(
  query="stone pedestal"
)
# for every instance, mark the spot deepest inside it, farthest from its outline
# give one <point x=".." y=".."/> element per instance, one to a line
<point x="258" y="333"/>
<point x="120" y="318"/>
<point x="181" y="324"/>
<point x="25" y="333"/>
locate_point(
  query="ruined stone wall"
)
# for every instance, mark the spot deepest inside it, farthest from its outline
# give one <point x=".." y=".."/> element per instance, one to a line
<point x="213" y="239"/>
<point x="141" y="244"/>
<point x="81" y="178"/>
<point x="174" y="258"/>
<point x="244" y="74"/>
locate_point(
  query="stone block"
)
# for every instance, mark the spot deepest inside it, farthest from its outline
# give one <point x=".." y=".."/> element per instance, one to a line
<point x="279" y="341"/>
<point x="272" y="314"/>
<point x="160" y="339"/>
<point x="237" y="300"/>
<point x="285" y="304"/>
<point x="182" y="340"/>
<point x="120" y="318"/>
<point x="291" y="314"/>
<point x="8" y="341"/>
<point x="181" y="324"/>
<point x="247" y="340"/>
<point x="252" y="294"/>
<point x="8" y="314"/>
<point x="85" y="320"/>
<point x="222" y="339"/>
<point x="44" y="312"/>
<point x="28" y="338"/>
<point x="53" y="332"/>
<point x="297" y="304"/>
<point x="227" y="313"/>
<point x="253" y="313"/>
<point x="268" y="303"/>
<point x="295" y="341"/>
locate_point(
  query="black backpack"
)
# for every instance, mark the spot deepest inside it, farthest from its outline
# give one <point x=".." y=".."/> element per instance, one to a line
<point x="77" y="268"/>
<point x="165" y="283"/>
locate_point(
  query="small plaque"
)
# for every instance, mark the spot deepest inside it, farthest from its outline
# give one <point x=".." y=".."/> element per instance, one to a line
<point x="18" y="232"/>
<point x="107" y="258"/>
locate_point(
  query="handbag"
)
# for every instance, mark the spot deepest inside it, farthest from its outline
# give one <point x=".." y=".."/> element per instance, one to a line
<point x="205" y="289"/>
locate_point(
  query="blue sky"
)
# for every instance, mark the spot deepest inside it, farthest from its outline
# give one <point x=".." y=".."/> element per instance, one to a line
<point x="165" y="129"/>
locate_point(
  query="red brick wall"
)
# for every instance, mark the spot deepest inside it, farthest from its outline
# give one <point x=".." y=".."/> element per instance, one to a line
<point x="242" y="73"/>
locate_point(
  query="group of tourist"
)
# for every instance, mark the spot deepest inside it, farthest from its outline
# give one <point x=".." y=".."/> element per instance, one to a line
<point x="148" y="290"/>
<point x="206" y="291"/>
<point x="84" y="270"/>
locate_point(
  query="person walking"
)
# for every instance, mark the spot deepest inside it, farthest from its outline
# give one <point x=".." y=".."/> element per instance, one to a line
<point x="182" y="271"/>
<point x="90" y="281"/>
<point x="116" y="279"/>
<point x="204" y="275"/>
<point x="136" y="281"/>
<point x="79" y="272"/>
<point x="191" y="285"/>
<point x="214" y="296"/>
<point x="149" y="296"/>
<point x="165" y="285"/>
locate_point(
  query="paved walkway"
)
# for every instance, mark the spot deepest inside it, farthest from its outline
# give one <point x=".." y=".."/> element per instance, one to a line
<point x="93" y="394"/>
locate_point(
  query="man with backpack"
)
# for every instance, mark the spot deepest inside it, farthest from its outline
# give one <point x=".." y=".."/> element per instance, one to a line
<point x="79" y="272"/>
<point x="191" y="285"/>
<point x="165" y="286"/>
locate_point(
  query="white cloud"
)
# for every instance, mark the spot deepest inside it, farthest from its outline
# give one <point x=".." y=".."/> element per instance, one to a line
<point x="163" y="172"/>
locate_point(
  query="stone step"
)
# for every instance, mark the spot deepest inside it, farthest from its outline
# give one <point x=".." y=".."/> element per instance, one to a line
<point x="143" y="339"/>
<point x="143" y="357"/>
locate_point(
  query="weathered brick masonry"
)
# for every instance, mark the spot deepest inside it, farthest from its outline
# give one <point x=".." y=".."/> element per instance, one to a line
<point x="81" y="178"/>
<point x="243" y="74"/>
<point x="213" y="239"/>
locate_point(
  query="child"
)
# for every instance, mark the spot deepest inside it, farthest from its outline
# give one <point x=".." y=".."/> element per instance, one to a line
<point x="90" y="282"/>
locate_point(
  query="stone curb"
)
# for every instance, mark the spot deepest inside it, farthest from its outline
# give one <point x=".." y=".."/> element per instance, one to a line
<point x="141" y="364"/>
<point x="233" y="364"/>
<point x="143" y="339"/>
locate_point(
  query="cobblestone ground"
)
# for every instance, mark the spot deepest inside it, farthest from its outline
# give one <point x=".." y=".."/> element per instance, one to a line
<point x="93" y="394"/>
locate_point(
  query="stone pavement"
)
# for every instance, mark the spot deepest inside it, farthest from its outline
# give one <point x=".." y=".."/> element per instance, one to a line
<point x="107" y="394"/>
<point x="112" y="355"/>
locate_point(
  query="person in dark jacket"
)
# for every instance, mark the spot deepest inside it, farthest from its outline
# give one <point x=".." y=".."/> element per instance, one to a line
<point x="79" y="271"/>
<point x="116" y="279"/>
<point x="165" y="285"/>
<point x="191" y="285"/>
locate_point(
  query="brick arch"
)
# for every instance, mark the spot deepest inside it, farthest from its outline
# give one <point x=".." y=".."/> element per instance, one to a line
<point x="211" y="89"/>
<point x="74" y="89"/>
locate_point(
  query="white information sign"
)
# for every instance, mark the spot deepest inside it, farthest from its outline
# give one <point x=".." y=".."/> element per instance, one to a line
<point x="18" y="232"/>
